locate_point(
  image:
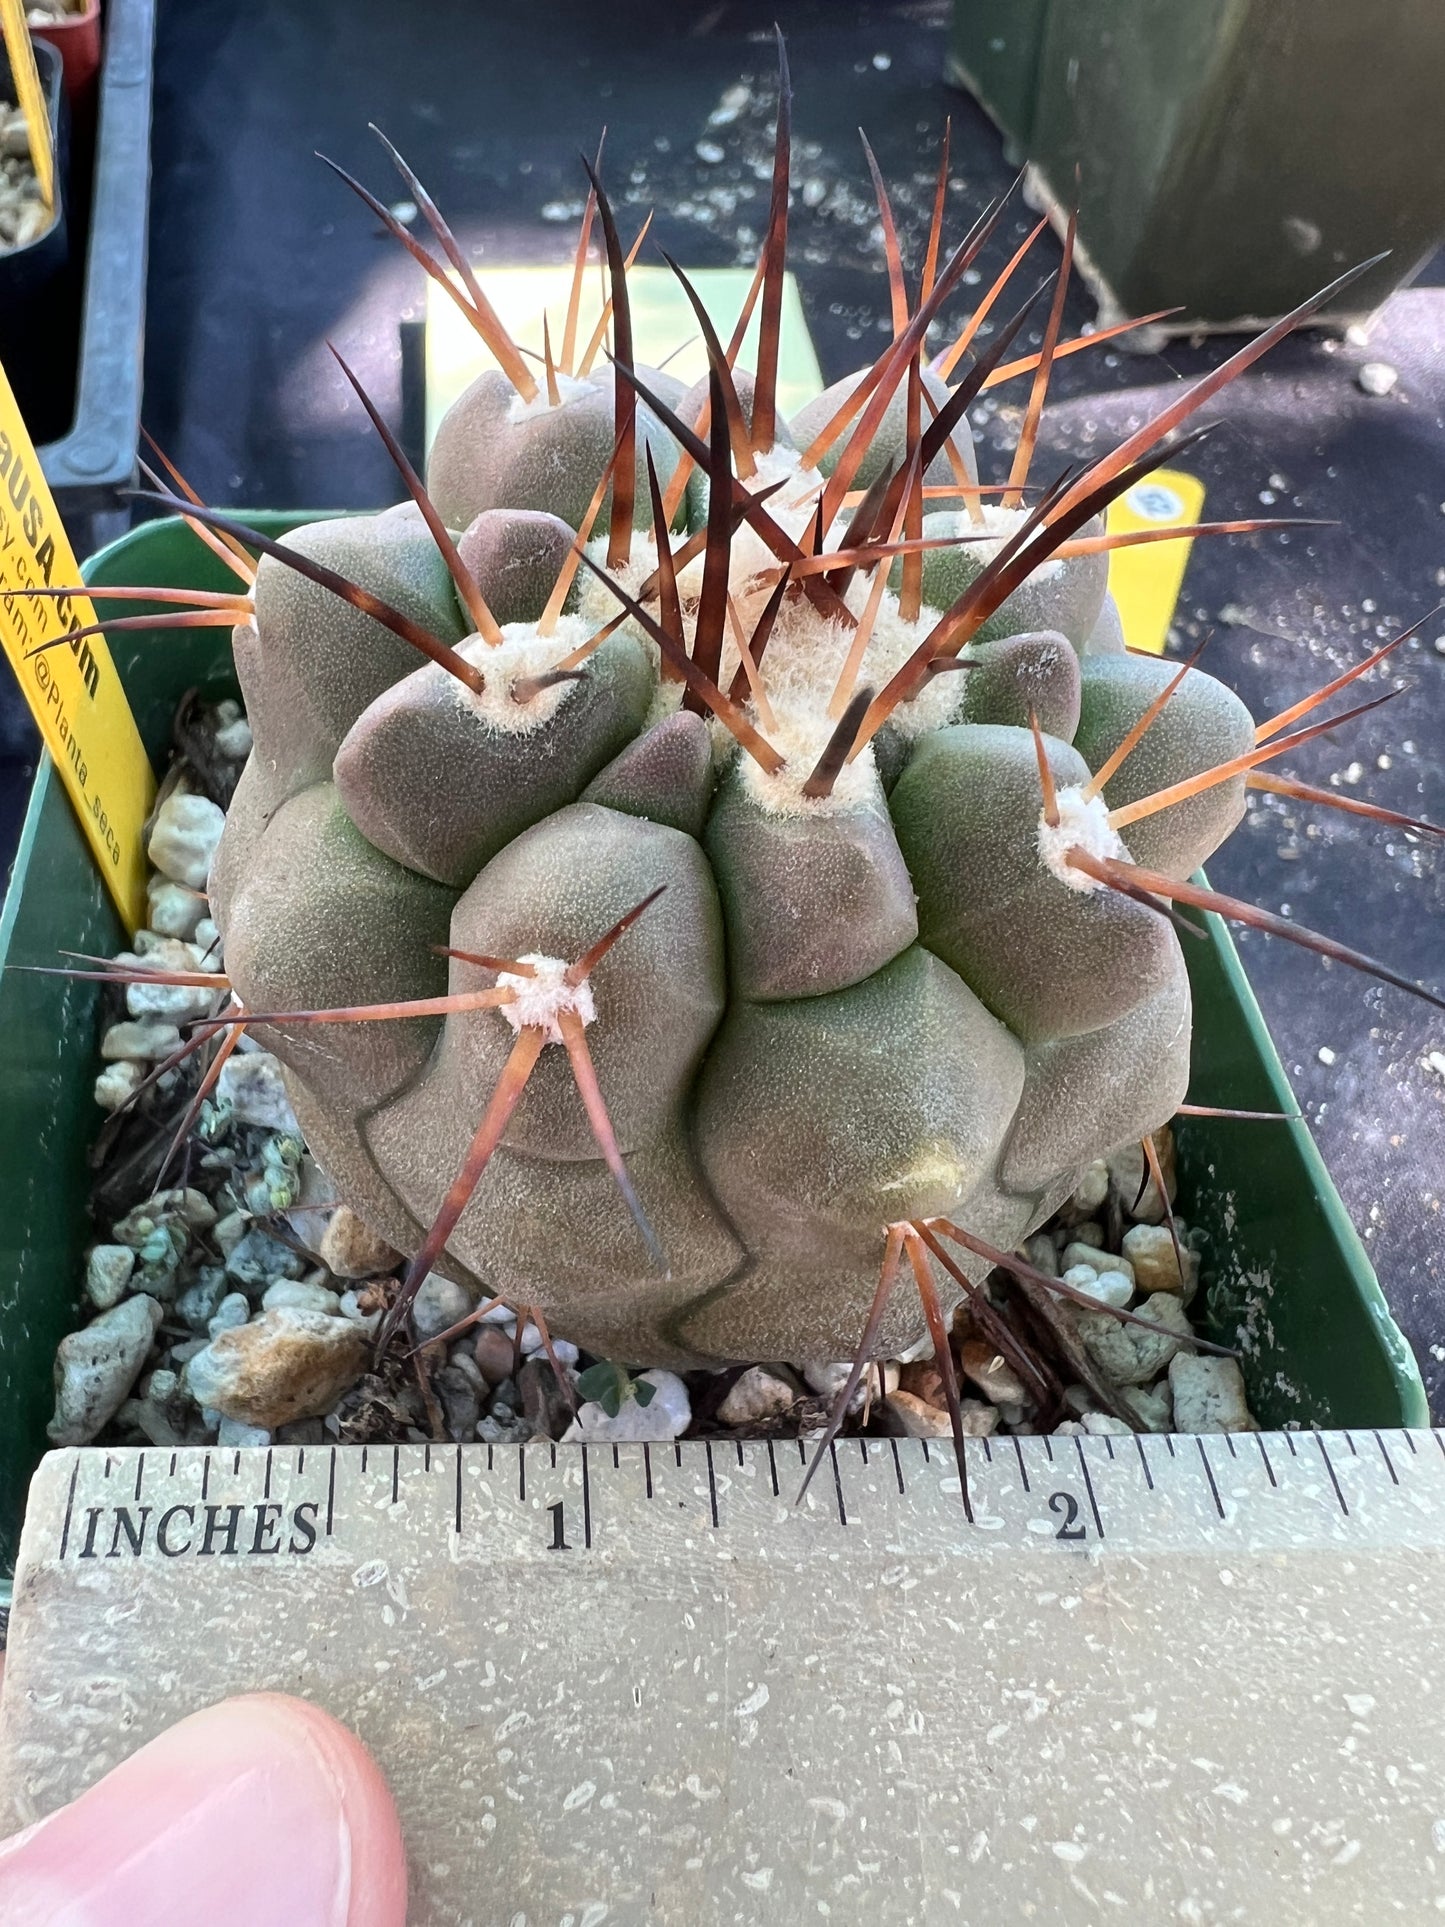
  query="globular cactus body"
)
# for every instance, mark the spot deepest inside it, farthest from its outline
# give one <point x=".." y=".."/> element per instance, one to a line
<point x="881" y="970"/>
<point x="839" y="1013"/>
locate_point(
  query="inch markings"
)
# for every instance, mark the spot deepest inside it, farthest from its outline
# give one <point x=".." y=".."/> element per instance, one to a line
<point x="1074" y="1494"/>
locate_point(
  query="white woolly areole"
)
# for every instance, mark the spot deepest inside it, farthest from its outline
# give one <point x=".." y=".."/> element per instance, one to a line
<point x="520" y="653"/>
<point x="596" y="603"/>
<point x="806" y="651"/>
<point x="1083" y="824"/>
<point x="539" y="1000"/>
<point x="800" y="736"/>
<point x="568" y="387"/>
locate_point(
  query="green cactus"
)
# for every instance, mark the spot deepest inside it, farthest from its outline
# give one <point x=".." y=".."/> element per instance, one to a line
<point x="699" y="926"/>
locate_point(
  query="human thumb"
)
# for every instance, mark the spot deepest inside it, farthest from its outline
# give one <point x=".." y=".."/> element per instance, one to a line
<point x="261" y="1811"/>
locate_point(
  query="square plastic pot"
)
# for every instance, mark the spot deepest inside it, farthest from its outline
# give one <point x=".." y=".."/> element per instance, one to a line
<point x="1234" y="155"/>
<point x="76" y="39"/>
<point x="88" y="447"/>
<point x="1284" y="1271"/>
<point x="33" y="279"/>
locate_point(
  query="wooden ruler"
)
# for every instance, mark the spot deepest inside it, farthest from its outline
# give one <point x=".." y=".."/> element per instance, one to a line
<point x="1155" y="1679"/>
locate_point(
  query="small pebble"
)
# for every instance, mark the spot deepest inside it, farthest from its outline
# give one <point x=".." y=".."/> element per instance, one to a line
<point x="107" y="1274"/>
<point x="1112" y="1288"/>
<point x="173" y="910"/>
<point x="1156" y="1264"/>
<point x="828" y="1381"/>
<point x="440" y="1304"/>
<point x="232" y="1432"/>
<point x="230" y="1230"/>
<point x="1041" y="1254"/>
<point x="250" y="1082"/>
<point x="283" y="1366"/>
<point x="922" y="1421"/>
<point x="300" y="1294"/>
<point x="351" y="1249"/>
<point x="166" y="1003"/>
<point x="315" y="1200"/>
<point x="199" y="1303"/>
<point x="666" y="1416"/>
<point x="495" y="1431"/>
<point x="233" y="739"/>
<point x="160" y="1386"/>
<point x="96" y="1367"/>
<point x="1376" y="377"/>
<point x="1152" y="1406"/>
<point x="1092" y="1190"/>
<point x="1099" y="1423"/>
<point x="757" y="1398"/>
<point x="193" y="1207"/>
<point x="258" y="1259"/>
<point x="1209" y="1395"/>
<point x="917" y="1419"/>
<point x="1127" y="1175"/>
<point x="493" y="1354"/>
<point x="1126" y="1354"/>
<point x="991" y="1372"/>
<point x="460" y="1405"/>
<point x="146" y="1041"/>
<point x="184" y="836"/>
<point x="233" y="1311"/>
<point x="463" y="1361"/>
<point x="118" y="1083"/>
<point x="1099" y="1261"/>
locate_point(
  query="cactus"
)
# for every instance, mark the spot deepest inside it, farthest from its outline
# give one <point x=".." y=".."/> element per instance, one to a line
<point x="692" y="861"/>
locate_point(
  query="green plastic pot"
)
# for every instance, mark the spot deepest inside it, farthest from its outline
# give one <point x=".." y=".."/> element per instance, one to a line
<point x="1286" y="1275"/>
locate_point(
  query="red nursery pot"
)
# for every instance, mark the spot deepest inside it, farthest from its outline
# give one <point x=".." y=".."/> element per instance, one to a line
<point x="77" y="40"/>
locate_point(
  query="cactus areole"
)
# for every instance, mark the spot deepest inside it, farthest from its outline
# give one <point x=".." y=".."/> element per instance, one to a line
<point x="681" y="843"/>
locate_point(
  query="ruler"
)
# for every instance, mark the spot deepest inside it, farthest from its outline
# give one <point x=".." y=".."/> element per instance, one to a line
<point x="1151" y="1679"/>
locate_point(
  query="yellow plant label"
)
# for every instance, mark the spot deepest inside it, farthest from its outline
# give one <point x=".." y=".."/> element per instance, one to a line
<point x="29" y="96"/>
<point x="69" y="681"/>
<point x="1145" y="580"/>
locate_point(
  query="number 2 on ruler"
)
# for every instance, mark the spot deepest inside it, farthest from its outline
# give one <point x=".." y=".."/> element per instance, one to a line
<point x="1060" y="1503"/>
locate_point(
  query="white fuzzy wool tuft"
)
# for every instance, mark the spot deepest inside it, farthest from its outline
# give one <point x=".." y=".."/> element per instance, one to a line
<point x="806" y="652"/>
<point x="568" y="387"/>
<point x="1002" y="525"/>
<point x="801" y="736"/>
<point x="540" y="999"/>
<point x="521" y="652"/>
<point x="1083" y="825"/>
<point x="596" y="603"/>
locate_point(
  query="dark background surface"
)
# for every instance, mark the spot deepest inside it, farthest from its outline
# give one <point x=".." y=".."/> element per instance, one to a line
<point x="258" y="255"/>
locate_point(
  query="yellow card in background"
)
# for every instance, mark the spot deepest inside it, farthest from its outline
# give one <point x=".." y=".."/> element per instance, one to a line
<point x="72" y="688"/>
<point x="1145" y="580"/>
<point x="29" y="96"/>
<point x="662" y="325"/>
